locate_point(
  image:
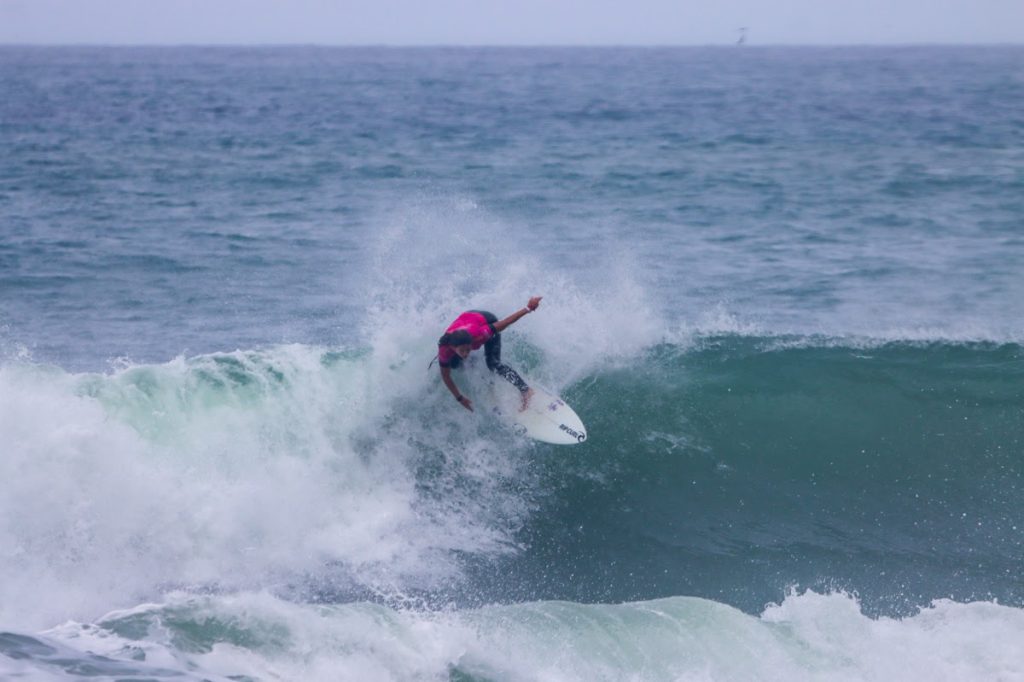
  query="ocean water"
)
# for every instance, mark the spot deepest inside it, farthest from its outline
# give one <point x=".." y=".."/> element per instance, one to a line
<point x="783" y="287"/>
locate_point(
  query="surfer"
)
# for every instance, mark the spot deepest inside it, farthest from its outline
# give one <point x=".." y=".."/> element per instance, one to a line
<point x="468" y="332"/>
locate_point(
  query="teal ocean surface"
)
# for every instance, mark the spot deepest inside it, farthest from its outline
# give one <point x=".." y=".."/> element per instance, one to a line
<point x="783" y="287"/>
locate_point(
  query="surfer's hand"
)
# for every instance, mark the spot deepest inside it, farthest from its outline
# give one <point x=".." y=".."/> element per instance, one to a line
<point x="534" y="302"/>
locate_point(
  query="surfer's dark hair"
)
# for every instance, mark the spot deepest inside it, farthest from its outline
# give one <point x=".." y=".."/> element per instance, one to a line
<point x="459" y="337"/>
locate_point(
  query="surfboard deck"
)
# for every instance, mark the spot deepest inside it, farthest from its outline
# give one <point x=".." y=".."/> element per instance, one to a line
<point x="547" y="418"/>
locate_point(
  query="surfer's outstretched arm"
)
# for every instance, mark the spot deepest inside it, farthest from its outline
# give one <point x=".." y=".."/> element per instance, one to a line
<point x="446" y="377"/>
<point x="502" y="325"/>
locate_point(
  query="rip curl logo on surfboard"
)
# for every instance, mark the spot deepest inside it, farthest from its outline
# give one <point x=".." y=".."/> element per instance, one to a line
<point x="580" y="437"/>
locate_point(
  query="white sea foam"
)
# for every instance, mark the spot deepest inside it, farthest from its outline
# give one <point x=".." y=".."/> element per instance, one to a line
<point x="247" y="469"/>
<point x="808" y="636"/>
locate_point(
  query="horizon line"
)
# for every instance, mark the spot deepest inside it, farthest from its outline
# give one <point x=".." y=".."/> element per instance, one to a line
<point x="442" y="45"/>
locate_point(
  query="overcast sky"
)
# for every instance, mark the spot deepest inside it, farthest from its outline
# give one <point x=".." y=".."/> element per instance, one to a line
<point x="511" y="22"/>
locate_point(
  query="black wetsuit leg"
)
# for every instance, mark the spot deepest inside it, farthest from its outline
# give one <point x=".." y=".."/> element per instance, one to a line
<point x="492" y="353"/>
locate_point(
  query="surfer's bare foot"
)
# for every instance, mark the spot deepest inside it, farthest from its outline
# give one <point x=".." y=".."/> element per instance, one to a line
<point x="526" y="399"/>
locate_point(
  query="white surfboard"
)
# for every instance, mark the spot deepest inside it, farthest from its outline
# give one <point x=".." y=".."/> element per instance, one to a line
<point x="547" y="417"/>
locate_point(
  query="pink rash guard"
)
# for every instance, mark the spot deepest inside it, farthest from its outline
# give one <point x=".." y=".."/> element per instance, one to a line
<point x="477" y="326"/>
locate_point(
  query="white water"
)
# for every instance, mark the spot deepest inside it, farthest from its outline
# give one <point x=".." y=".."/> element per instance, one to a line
<point x="243" y="470"/>
<point x="809" y="637"/>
